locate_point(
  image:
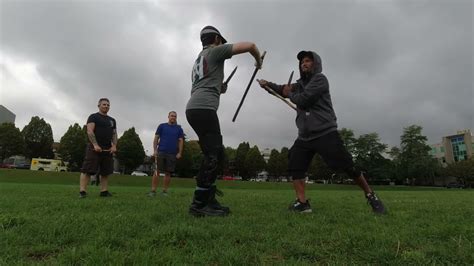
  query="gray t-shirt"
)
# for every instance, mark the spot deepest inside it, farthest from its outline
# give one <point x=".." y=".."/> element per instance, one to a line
<point x="207" y="77"/>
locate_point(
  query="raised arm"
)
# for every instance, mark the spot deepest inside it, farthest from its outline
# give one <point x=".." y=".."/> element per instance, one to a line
<point x="243" y="47"/>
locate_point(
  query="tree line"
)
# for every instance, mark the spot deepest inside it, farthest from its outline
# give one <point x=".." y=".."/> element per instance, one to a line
<point x="411" y="162"/>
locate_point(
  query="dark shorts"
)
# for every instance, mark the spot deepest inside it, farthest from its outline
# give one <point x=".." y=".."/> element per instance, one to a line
<point x="97" y="162"/>
<point x="166" y="162"/>
<point x="330" y="147"/>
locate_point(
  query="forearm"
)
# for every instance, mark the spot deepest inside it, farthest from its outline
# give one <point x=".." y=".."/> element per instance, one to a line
<point x="277" y="88"/>
<point x="114" y="138"/>
<point x="92" y="138"/>
<point x="180" y="146"/>
<point x="311" y="93"/>
<point x="155" y="144"/>
<point x="255" y="53"/>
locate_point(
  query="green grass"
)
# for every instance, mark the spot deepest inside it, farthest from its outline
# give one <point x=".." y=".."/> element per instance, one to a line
<point x="42" y="221"/>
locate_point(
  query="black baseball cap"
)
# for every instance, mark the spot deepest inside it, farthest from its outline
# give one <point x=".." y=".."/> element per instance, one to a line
<point x="304" y="54"/>
<point x="211" y="29"/>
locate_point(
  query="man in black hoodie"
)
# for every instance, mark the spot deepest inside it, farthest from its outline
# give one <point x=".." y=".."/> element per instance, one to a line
<point x="317" y="131"/>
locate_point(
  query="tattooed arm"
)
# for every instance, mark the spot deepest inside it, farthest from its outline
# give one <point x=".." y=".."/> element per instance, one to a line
<point x="113" y="149"/>
<point x="91" y="135"/>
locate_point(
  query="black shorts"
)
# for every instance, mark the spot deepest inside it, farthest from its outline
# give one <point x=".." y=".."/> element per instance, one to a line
<point x="166" y="162"/>
<point x="97" y="162"/>
<point x="330" y="147"/>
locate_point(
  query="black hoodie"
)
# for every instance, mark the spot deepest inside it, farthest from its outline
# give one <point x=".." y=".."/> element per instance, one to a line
<point x="315" y="115"/>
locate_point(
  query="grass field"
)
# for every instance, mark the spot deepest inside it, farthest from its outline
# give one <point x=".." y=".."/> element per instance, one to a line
<point x="42" y="221"/>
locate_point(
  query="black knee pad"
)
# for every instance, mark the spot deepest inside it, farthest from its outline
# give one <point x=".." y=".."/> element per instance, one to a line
<point x="213" y="150"/>
<point x="208" y="172"/>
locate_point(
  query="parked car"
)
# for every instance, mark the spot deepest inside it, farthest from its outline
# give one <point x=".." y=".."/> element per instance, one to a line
<point x="455" y="185"/>
<point x="23" y="166"/>
<point x="231" y="178"/>
<point x="138" y="173"/>
<point x="18" y="162"/>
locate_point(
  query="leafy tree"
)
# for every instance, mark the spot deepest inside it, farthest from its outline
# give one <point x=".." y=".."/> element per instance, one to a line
<point x="347" y="136"/>
<point x="415" y="160"/>
<point x="463" y="170"/>
<point x="368" y="156"/>
<point x="272" y="165"/>
<point x="72" y="146"/>
<point x="395" y="153"/>
<point x="130" y="152"/>
<point x="38" y="138"/>
<point x="240" y="156"/>
<point x="319" y="169"/>
<point x="230" y="153"/>
<point x="189" y="164"/>
<point x="283" y="161"/>
<point x="11" y="141"/>
<point x="228" y="165"/>
<point x="254" y="161"/>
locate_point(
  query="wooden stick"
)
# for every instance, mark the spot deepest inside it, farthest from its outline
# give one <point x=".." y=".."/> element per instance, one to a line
<point x="230" y="76"/>
<point x="247" y="90"/>
<point x="279" y="97"/>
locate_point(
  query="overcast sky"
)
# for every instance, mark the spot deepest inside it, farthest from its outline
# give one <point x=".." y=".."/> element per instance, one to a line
<point x="390" y="64"/>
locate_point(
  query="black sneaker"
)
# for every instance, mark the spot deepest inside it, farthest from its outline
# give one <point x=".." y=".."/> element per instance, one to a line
<point x="376" y="203"/>
<point x="301" y="207"/>
<point x="207" y="210"/>
<point x="82" y="194"/>
<point x="105" y="194"/>
<point x="152" y="194"/>
<point x="216" y="205"/>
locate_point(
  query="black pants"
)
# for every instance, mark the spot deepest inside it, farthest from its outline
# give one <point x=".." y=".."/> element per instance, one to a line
<point x="330" y="147"/>
<point x="206" y="125"/>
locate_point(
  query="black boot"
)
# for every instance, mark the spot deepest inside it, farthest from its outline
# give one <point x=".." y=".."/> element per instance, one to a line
<point x="200" y="207"/>
<point x="213" y="203"/>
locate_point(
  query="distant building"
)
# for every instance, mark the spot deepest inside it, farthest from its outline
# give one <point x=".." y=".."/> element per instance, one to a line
<point x="266" y="154"/>
<point x="454" y="148"/>
<point x="6" y="116"/>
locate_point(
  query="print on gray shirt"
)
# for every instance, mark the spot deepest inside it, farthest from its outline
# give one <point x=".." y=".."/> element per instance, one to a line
<point x="207" y="77"/>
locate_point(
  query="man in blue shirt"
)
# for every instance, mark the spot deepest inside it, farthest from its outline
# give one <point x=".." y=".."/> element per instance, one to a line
<point x="167" y="147"/>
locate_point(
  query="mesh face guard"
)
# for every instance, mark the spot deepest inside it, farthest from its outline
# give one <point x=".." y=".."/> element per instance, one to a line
<point x="211" y="29"/>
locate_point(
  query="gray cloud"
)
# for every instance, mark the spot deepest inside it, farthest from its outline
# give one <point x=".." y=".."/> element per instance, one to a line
<point x="390" y="64"/>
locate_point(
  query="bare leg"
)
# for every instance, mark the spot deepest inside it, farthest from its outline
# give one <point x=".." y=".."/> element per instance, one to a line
<point x="84" y="181"/>
<point x="104" y="183"/>
<point x="155" y="180"/>
<point x="299" y="186"/>
<point x="166" y="181"/>
<point x="363" y="184"/>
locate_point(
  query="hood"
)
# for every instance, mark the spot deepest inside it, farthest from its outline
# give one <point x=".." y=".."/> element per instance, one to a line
<point x="317" y="66"/>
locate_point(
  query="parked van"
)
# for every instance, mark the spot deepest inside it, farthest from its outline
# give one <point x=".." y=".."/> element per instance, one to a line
<point x="41" y="164"/>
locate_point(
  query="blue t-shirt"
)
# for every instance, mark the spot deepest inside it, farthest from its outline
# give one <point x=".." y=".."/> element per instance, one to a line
<point x="169" y="136"/>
